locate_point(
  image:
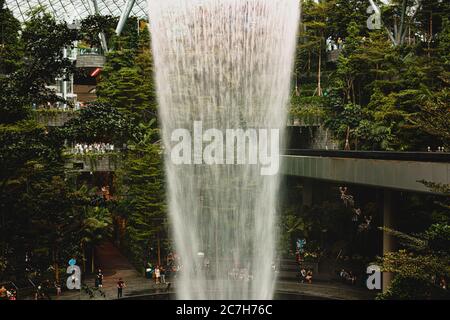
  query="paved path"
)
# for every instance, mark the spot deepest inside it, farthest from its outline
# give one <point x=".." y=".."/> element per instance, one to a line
<point x="325" y="290"/>
<point x="114" y="266"/>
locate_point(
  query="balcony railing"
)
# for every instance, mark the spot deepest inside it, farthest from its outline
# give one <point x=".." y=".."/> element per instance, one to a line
<point x="90" y="58"/>
<point x="54" y="117"/>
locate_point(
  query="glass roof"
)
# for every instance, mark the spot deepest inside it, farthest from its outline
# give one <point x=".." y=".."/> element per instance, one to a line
<point x="70" y="10"/>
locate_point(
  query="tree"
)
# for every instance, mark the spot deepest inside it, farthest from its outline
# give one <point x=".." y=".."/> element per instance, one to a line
<point x="314" y="27"/>
<point x="398" y="17"/>
<point x="43" y="41"/>
<point x="96" y="227"/>
<point x="99" y="122"/>
<point x="433" y="116"/>
<point x="93" y="25"/>
<point x="127" y="84"/>
<point x="142" y="196"/>
<point x="10" y="45"/>
<point x="424" y="259"/>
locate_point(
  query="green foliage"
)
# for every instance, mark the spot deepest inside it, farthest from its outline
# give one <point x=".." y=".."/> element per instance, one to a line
<point x="416" y="276"/>
<point x="42" y="216"/>
<point x="328" y="226"/>
<point x="394" y="79"/>
<point x="142" y="197"/>
<point x="43" y="39"/>
<point x="93" y="25"/>
<point x="10" y="46"/>
<point x="127" y="84"/>
<point x="96" y="226"/>
<point x="407" y="288"/>
<point x="99" y="122"/>
<point x="424" y="260"/>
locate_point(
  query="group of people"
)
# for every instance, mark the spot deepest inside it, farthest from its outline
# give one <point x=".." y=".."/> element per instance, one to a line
<point x="349" y="201"/>
<point x="8" y="294"/>
<point x="81" y="148"/>
<point x="240" y="274"/>
<point x="334" y="44"/>
<point x="439" y="149"/>
<point x="347" y="276"/>
<point x="306" y="276"/>
<point x="120" y="285"/>
<point x="159" y="275"/>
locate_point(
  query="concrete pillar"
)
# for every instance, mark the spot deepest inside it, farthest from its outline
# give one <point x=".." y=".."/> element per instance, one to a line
<point x="389" y="243"/>
<point x="307" y="192"/>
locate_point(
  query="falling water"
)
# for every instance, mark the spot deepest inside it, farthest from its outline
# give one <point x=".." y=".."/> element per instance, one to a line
<point x="228" y="64"/>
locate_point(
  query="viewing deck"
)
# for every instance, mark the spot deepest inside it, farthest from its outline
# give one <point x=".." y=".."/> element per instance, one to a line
<point x="107" y="162"/>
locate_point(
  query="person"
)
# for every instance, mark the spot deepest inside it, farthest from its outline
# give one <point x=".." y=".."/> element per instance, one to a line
<point x="343" y="275"/>
<point x="12" y="294"/>
<point x="170" y="259"/>
<point x="120" y="286"/>
<point x="206" y="264"/>
<point x="351" y="278"/>
<point x="157" y="275"/>
<point x="443" y="283"/>
<point x="100" y="278"/>
<point x="309" y="276"/>
<point x="3" y="293"/>
<point x="163" y="275"/>
<point x="302" y="275"/>
<point x="39" y="295"/>
<point x="58" y="289"/>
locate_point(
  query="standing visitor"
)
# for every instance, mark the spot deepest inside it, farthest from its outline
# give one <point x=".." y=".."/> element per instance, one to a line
<point x="302" y="275"/>
<point x="3" y="293"/>
<point x="12" y="294"/>
<point x="163" y="275"/>
<point x="157" y="275"/>
<point x="309" y="276"/>
<point x="100" y="278"/>
<point x="57" y="288"/>
<point x="443" y="283"/>
<point x="120" y="286"/>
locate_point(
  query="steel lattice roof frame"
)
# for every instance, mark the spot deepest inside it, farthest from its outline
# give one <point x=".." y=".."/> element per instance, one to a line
<point x="76" y="9"/>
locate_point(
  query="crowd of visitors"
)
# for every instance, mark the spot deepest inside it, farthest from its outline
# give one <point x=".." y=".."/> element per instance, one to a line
<point x="242" y="274"/>
<point x="81" y="148"/>
<point x="8" y="294"/>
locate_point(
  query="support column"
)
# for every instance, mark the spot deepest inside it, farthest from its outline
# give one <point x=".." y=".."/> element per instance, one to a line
<point x="124" y="16"/>
<point x="307" y="192"/>
<point x="101" y="35"/>
<point x="389" y="243"/>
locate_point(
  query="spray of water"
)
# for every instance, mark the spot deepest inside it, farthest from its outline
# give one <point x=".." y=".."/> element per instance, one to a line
<point x="226" y="63"/>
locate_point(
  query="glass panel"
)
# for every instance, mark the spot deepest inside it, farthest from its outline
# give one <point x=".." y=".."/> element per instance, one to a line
<point x="75" y="9"/>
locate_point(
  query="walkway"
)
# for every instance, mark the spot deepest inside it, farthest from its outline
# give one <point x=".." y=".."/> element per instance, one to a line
<point x="393" y="170"/>
<point x="324" y="290"/>
<point x="114" y="266"/>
